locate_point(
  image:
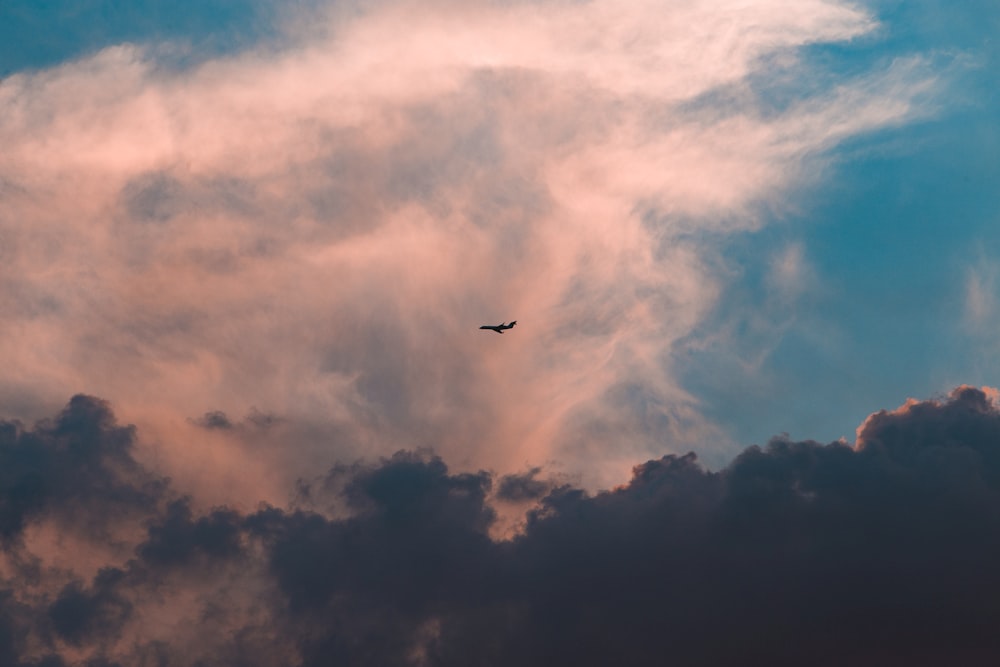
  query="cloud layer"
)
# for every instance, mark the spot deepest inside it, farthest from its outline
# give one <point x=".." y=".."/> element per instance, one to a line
<point x="313" y="233"/>
<point x="883" y="552"/>
<point x="270" y="248"/>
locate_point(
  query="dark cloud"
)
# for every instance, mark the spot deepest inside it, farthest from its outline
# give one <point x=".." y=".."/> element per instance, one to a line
<point x="47" y="661"/>
<point x="255" y="420"/>
<point x="796" y="553"/>
<point x="78" y="467"/>
<point x="10" y="635"/>
<point x="517" y="488"/>
<point x="216" y="419"/>
<point x="419" y="535"/>
<point x="80" y="615"/>
<point x="177" y="537"/>
<point x="101" y="662"/>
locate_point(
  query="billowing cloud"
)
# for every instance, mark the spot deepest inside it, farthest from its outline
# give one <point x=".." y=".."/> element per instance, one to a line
<point x="879" y="552"/>
<point x="78" y="468"/>
<point x="269" y="240"/>
<point x="315" y="232"/>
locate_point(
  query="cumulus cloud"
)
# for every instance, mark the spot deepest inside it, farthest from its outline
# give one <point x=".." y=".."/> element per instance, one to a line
<point x="318" y="230"/>
<point x="797" y="552"/>
<point x="77" y="467"/>
<point x="523" y="487"/>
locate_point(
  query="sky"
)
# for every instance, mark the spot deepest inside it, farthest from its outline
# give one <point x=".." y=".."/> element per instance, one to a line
<point x="248" y="417"/>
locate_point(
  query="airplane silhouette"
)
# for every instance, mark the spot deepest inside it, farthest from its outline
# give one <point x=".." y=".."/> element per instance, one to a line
<point x="499" y="328"/>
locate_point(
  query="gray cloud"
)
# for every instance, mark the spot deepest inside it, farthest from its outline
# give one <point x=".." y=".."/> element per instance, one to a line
<point x="797" y="552"/>
<point x="522" y="487"/>
<point x="81" y="616"/>
<point x="77" y="467"/>
<point x="214" y="419"/>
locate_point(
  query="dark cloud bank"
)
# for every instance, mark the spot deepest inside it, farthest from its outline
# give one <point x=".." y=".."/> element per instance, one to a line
<point x="797" y="553"/>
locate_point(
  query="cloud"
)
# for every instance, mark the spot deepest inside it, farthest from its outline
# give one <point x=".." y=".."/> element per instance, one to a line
<point x="177" y="537"/>
<point x="522" y="487"/>
<point x="214" y="419"/>
<point x="319" y="230"/>
<point x="78" y="467"/>
<point x="797" y="551"/>
<point x="79" y="616"/>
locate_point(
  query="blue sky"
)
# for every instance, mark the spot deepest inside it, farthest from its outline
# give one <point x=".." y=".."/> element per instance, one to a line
<point x="903" y="220"/>
<point x="42" y="34"/>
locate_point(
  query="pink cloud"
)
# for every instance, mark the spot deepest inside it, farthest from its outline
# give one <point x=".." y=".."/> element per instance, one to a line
<point x="317" y="233"/>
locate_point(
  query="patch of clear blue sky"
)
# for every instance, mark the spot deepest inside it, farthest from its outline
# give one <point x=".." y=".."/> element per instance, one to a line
<point x="35" y="34"/>
<point x="889" y="235"/>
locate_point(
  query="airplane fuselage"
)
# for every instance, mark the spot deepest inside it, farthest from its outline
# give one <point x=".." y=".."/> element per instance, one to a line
<point x="499" y="328"/>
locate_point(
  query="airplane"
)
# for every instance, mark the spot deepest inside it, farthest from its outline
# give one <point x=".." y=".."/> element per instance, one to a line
<point x="499" y="328"/>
